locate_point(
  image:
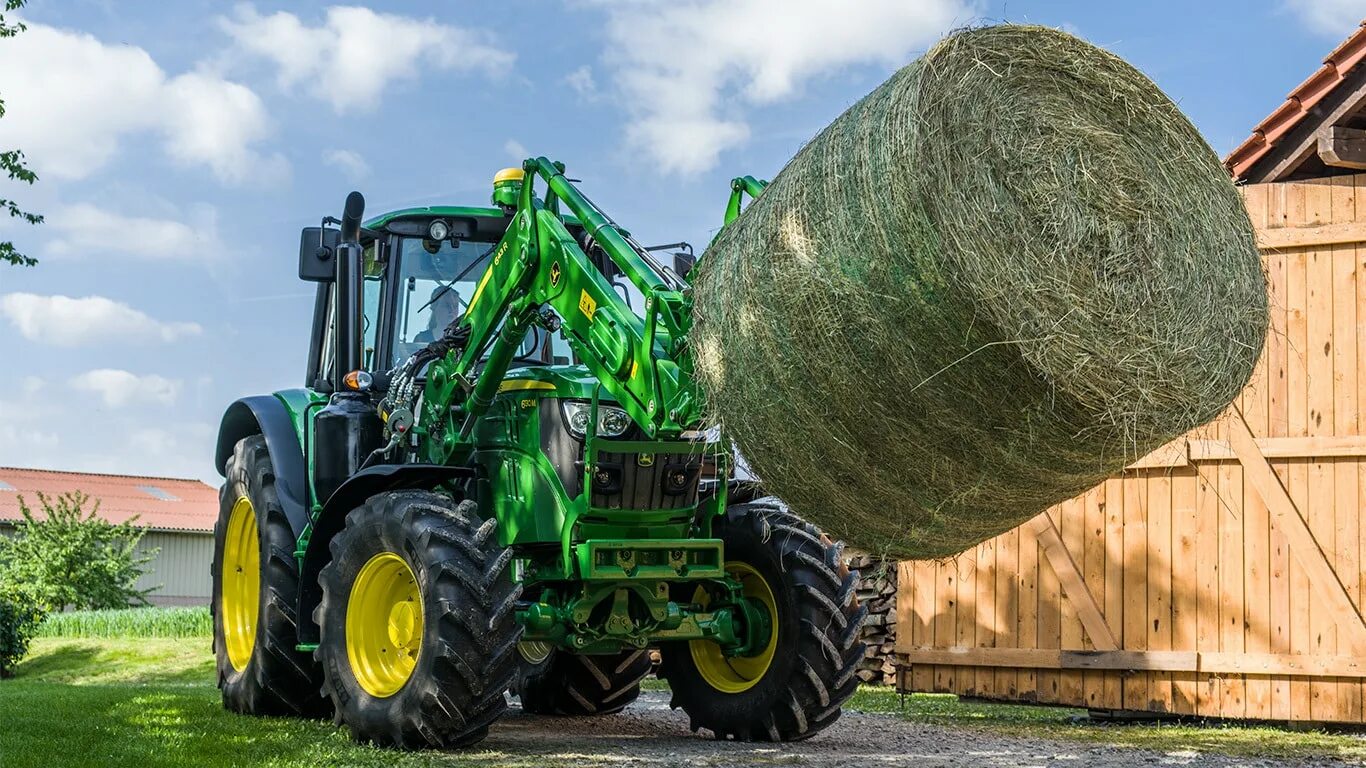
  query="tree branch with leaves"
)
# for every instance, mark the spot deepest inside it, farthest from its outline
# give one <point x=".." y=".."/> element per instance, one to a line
<point x="72" y="558"/>
<point x="12" y="161"/>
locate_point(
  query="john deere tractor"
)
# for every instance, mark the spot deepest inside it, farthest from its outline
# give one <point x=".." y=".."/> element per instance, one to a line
<point x="499" y="478"/>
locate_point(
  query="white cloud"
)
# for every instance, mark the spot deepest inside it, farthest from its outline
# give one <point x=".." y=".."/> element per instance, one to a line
<point x="581" y="80"/>
<point x="27" y="418"/>
<point x="22" y="441"/>
<point x="84" y="229"/>
<point x="515" y="150"/>
<point x="119" y="388"/>
<point x="350" y="58"/>
<point x="1333" y="18"/>
<point x="688" y="69"/>
<point x="68" y="322"/>
<point x="172" y="450"/>
<point x="71" y="100"/>
<point x="351" y="164"/>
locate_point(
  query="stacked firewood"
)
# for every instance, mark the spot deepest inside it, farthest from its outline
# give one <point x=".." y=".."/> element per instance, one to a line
<point x="877" y="591"/>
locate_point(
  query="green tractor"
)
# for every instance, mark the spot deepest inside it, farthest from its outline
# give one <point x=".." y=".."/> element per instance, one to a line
<point x="499" y="478"/>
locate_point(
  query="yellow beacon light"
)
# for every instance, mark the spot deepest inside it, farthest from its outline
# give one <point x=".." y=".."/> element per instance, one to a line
<point x="507" y="185"/>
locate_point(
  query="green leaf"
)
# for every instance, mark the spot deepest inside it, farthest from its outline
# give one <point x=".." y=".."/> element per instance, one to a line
<point x="12" y="161"/>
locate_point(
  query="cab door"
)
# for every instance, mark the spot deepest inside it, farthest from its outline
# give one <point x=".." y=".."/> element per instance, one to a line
<point x="377" y="299"/>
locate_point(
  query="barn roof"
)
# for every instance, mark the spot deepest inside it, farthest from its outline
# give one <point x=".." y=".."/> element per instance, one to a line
<point x="1287" y="143"/>
<point x="159" y="503"/>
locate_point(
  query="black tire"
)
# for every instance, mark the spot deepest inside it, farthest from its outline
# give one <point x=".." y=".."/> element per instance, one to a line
<point x="277" y="679"/>
<point x="818" y="633"/>
<point x="573" y="685"/>
<point x="467" y="658"/>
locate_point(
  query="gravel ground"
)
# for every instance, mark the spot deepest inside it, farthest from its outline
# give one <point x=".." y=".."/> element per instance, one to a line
<point x="648" y="733"/>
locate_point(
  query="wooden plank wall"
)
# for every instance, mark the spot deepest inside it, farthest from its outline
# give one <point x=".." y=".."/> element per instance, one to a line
<point x="1220" y="576"/>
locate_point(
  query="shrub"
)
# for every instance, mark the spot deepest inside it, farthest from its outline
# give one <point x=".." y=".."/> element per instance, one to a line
<point x="20" y="615"/>
<point x="70" y="558"/>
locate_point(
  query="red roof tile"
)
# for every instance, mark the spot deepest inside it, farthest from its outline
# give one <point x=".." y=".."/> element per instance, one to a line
<point x="161" y="503"/>
<point x="1296" y="106"/>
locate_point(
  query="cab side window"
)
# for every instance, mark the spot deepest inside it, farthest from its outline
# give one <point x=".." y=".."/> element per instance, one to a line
<point x="373" y="299"/>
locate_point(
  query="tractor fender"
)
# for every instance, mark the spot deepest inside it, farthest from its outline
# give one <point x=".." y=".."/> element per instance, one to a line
<point x="332" y="518"/>
<point x="265" y="415"/>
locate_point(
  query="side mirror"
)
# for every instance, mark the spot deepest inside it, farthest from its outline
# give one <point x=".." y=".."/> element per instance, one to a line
<point x="683" y="262"/>
<point x="317" y="254"/>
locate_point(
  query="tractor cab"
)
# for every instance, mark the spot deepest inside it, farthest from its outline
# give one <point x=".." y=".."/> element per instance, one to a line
<point x="421" y="269"/>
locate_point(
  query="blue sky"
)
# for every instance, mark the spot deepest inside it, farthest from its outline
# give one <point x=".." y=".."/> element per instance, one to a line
<point x="181" y="146"/>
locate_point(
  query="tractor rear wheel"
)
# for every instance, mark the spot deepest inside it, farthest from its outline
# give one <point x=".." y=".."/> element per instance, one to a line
<point x="794" y="686"/>
<point x="255" y="590"/>
<point x="571" y="684"/>
<point x="418" y="641"/>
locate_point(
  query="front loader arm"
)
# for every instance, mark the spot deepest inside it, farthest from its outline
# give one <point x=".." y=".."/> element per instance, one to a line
<point x="540" y="275"/>
<point x="739" y="187"/>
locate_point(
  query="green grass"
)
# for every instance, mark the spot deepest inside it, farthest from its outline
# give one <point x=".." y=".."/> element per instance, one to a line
<point x="151" y="702"/>
<point x="129" y="622"/>
<point x="1066" y="724"/>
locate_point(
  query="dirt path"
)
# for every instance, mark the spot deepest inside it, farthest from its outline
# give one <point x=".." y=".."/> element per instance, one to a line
<point x="650" y="734"/>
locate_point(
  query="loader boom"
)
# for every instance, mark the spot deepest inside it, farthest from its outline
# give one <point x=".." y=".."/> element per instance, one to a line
<point x="642" y="360"/>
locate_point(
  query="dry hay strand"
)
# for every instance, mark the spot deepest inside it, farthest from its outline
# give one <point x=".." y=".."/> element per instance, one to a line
<point x="1008" y="271"/>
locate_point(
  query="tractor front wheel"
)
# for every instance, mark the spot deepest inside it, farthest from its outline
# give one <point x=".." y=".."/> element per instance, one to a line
<point x="255" y="586"/>
<point x="418" y="641"/>
<point x="793" y="686"/>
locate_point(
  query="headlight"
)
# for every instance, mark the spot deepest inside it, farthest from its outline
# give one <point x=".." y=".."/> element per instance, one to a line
<point x="612" y="421"/>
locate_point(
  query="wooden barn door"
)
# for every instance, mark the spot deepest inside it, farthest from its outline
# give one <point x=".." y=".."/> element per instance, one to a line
<point x="1220" y="575"/>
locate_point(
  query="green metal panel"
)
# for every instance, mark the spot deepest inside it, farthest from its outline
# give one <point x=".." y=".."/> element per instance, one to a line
<point x="298" y="402"/>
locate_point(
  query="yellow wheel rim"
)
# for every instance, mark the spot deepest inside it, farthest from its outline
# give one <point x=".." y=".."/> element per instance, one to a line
<point x="241" y="583"/>
<point x="737" y="674"/>
<point x="384" y="625"/>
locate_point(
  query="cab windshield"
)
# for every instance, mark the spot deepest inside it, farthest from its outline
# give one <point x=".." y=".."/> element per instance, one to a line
<point x="436" y="283"/>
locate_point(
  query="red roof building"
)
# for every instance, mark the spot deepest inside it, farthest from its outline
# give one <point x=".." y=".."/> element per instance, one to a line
<point x="179" y="516"/>
<point x="157" y="503"/>
<point x="1320" y="128"/>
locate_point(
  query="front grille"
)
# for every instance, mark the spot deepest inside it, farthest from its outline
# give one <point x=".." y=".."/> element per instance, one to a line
<point x="664" y="481"/>
<point x="661" y="481"/>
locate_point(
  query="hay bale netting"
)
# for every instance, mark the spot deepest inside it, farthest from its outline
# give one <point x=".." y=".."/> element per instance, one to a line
<point x="1000" y="277"/>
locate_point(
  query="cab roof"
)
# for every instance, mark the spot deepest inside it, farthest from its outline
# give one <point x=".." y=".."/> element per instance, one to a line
<point x="451" y="211"/>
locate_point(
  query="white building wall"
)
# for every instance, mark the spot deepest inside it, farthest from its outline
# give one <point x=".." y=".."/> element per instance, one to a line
<point x="180" y="571"/>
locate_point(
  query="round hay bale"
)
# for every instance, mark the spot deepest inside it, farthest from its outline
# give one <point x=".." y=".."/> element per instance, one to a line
<point x="1004" y="274"/>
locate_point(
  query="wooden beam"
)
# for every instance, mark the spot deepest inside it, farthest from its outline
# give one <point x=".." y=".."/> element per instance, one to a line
<point x="1212" y="663"/>
<point x="1173" y="454"/>
<point x="1092" y="619"/>
<point x="1024" y="658"/>
<point x="906" y="600"/>
<point x="1181" y="452"/>
<point x="1051" y="658"/>
<point x="1282" y="238"/>
<point x="1150" y="661"/>
<point x="1283" y="448"/>
<point x="1286" y="518"/>
<point x="1282" y="664"/>
<point x="1301" y="142"/>
<point x="1342" y="147"/>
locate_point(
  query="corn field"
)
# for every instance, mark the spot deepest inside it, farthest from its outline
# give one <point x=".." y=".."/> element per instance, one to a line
<point x="129" y="622"/>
